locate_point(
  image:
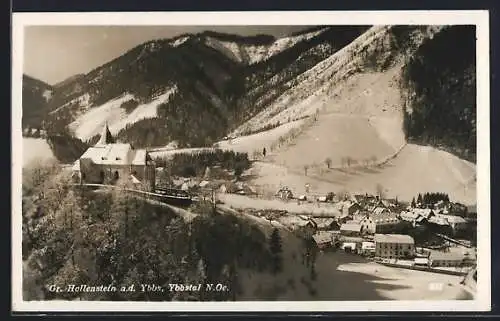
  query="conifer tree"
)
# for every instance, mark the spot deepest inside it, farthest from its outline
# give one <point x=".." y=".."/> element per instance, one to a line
<point x="275" y="247"/>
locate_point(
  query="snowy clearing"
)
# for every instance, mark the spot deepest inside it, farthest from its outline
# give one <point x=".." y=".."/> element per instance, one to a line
<point x="91" y="122"/>
<point x="256" y="142"/>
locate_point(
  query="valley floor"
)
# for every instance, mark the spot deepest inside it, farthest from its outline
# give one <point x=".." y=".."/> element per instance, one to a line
<point x="414" y="170"/>
<point x="345" y="277"/>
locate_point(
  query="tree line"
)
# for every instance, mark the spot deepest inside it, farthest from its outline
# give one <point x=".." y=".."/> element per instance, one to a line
<point x="429" y="199"/>
<point x="195" y="164"/>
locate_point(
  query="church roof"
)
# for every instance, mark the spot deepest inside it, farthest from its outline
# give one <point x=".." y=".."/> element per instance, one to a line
<point x="111" y="154"/>
<point x="106" y="137"/>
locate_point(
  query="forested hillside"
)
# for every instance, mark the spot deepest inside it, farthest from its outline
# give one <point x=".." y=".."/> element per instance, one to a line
<point x="35" y="98"/>
<point x="73" y="236"/>
<point x="440" y="86"/>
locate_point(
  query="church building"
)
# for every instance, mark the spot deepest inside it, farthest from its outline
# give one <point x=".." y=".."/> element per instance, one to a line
<point x="108" y="162"/>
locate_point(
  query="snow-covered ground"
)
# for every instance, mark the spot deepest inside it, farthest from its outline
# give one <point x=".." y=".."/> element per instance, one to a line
<point x="243" y="202"/>
<point x="402" y="284"/>
<point x="414" y="170"/>
<point x="91" y="122"/>
<point x="36" y="149"/>
<point x="256" y="142"/>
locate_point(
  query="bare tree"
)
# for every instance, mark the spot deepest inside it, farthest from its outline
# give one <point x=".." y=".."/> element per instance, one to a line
<point x="349" y="161"/>
<point x="328" y="162"/>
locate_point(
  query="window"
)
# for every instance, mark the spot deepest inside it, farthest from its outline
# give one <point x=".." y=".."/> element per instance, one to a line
<point x="116" y="175"/>
<point x="101" y="175"/>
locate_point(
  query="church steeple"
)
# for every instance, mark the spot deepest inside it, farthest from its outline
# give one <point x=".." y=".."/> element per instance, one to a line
<point x="106" y="137"/>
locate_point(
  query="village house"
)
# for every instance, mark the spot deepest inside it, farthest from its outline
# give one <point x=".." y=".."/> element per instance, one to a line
<point x="450" y="259"/>
<point x="380" y="210"/>
<point x="326" y="223"/>
<point x="413" y="218"/>
<point x="441" y="207"/>
<point x="427" y="213"/>
<point x="440" y="225"/>
<point x="350" y="229"/>
<point x="457" y="223"/>
<point x="307" y="228"/>
<point x="108" y="162"/>
<point x="364" y="200"/>
<point x="367" y="248"/>
<point x="284" y="193"/>
<point x="323" y="239"/>
<point x="348" y="208"/>
<point x="394" y="246"/>
<point x="382" y="223"/>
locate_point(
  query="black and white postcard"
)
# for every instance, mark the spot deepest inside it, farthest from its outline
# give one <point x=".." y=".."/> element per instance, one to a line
<point x="251" y="161"/>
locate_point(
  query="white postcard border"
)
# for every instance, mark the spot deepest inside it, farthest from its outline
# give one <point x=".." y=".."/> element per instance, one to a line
<point x="480" y="18"/>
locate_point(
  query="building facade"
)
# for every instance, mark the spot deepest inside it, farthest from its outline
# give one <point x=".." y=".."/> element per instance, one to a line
<point x="109" y="162"/>
<point x="450" y="259"/>
<point x="394" y="246"/>
<point x="383" y="223"/>
<point x="350" y="229"/>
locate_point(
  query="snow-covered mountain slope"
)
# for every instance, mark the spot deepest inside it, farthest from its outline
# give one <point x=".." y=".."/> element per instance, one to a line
<point x="252" y="53"/>
<point x="310" y="90"/>
<point x="359" y="116"/>
<point x="92" y="121"/>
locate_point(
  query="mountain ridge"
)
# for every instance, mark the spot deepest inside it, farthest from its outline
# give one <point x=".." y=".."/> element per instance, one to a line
<point x="218" y="81"/>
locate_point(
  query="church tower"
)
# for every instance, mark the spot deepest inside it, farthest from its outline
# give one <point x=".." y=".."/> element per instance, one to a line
<point x="106" y="137"/>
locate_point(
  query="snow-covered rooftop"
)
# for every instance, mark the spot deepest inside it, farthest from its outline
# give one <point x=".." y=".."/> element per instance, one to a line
<point x="111" y="154"/>
<point x="393" y="238"/>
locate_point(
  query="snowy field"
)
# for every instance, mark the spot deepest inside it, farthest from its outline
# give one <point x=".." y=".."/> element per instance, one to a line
<point x="91" y="122"/>
<point x="256" y="142"/>
<point x="415" y="169"/>
<point x="36" y="149"/>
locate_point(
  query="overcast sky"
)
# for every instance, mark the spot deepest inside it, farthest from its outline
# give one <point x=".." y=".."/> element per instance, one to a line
<point x="54" y="53"/>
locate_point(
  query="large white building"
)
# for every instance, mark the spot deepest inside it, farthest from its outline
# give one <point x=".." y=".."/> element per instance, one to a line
<point x="394" y="246"/>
